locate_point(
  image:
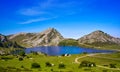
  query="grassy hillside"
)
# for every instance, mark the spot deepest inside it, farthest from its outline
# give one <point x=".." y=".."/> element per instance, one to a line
<point x="14" y="64"/>
<point x="20" y="39"/>
<point x="68" y="42"/>
<point x="97" y="45"/>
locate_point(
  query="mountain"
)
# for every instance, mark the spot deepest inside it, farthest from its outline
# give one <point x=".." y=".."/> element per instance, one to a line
<point x="98" y="36"/>
<point x="99" y="39"/>
<point x="49" y="37"/>
<point x="5" y="43"/>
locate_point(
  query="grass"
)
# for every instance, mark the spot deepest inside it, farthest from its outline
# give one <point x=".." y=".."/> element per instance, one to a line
<point x="13" y="63"/>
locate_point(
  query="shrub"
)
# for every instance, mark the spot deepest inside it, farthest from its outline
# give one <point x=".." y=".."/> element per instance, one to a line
<point x="51" y="69"/>
<point x="48" y="64"/>
<point x="20" y="59"/>
<point x="35" y="65"/>
<point x="112" y="66"/>
<point x="22" y="66"/>
<point x="61" y="66"/>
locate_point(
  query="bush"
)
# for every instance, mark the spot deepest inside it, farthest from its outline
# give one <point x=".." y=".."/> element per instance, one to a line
<point x="51" y="69"/>
<point x="20" y="59"/>
<point x="48" y="64"/>
<point x="112" y="66"/>
<point x="35" y="65"/>
<point x="22" y="66"/>
<point x="61" y="66"/>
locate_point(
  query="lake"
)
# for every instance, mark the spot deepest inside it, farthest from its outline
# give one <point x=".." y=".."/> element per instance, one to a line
<point x="59" y="50"/>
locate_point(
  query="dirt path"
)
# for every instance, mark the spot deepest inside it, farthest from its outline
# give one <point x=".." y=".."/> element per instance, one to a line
<point x="76" y="61"/>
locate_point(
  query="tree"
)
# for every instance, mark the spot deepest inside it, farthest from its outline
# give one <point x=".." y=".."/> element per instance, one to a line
<point x="35" y="65"/>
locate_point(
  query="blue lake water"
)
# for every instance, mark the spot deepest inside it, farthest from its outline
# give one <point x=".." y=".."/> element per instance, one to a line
<point x="59" y="50"/>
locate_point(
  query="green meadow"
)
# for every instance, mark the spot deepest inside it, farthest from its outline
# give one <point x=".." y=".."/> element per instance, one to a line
<point x="103" y="62"/>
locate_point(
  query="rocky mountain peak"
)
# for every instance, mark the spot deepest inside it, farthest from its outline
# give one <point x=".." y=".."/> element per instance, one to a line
<point x="49" y="30"/>
<point x="48" y="37"/>
<point x="45" y="38"/>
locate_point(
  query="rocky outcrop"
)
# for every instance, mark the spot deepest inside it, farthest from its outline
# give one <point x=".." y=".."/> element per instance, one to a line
<point x="49" y="37"/>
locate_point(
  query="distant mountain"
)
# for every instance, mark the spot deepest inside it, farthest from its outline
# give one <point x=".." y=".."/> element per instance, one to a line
<point x="49" y="37"/>
<point x="5" y="43"/>
<point x="99" y="39"/>
<point x="99" y="36"/>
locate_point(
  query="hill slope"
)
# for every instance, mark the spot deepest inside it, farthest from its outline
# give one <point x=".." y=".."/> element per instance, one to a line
<point x="5" y="43"/>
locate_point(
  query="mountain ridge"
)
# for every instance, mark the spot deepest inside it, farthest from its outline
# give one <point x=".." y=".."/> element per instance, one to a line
<point x="51" y="37"/>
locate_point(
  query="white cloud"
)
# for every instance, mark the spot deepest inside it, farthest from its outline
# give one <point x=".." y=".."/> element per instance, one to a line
<point x="36" y="20"/>
<point x="47" y="7"/>
<point x="31" y="12"/>
<point x="38" y="9"/>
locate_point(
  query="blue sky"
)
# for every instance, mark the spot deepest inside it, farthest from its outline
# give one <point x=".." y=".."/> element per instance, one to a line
<point x="72" y="18"/>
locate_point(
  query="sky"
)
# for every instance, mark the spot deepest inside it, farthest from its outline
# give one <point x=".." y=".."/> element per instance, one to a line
<point x="72" y="18"/>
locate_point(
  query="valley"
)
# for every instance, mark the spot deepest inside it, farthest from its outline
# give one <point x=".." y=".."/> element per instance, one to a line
<point x="44" y="52"/>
